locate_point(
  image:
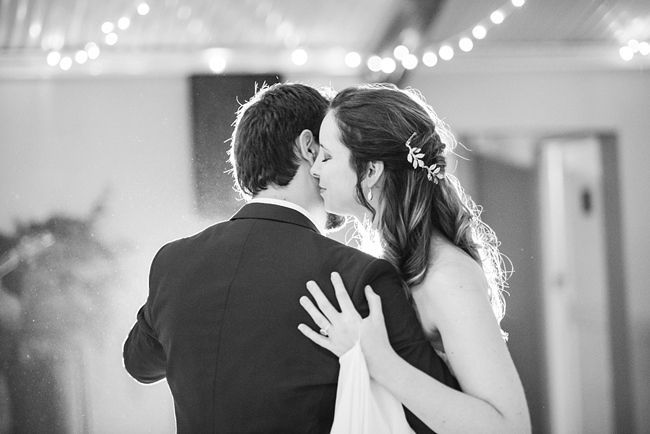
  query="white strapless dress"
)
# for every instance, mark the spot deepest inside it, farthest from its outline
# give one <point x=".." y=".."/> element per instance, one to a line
<point x="363" y="406"/>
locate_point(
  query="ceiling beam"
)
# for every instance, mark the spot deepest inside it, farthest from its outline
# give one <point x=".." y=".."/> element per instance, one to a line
<point x="412" y="20"/>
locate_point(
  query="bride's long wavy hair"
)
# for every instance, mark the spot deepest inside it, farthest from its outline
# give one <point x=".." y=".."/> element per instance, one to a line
<point x="375" y="122"/>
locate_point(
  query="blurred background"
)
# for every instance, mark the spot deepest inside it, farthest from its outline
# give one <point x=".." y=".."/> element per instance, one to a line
<point x="114" y="121"/>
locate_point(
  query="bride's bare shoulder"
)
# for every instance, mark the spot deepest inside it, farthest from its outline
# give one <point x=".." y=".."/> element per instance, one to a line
<point x="454" y="286"/>
<point x="452" y="269"/>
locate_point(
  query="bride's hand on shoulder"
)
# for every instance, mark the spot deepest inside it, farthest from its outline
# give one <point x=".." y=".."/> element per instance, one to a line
<point x="339" y="331"/>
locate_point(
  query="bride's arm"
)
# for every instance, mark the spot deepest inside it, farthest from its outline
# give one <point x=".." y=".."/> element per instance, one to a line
<point x="453" y="300"/>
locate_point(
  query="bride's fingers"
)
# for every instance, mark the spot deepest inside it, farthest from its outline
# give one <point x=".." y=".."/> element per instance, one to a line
<point x="315" y="337"/>
<point x="315" y="314"/>
<point x="342" y="294"/>
<point x="323" y="303"/>
<point x="374" y="303"/>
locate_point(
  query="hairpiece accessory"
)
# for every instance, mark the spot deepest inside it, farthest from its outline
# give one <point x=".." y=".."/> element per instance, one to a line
<point x="323" y="331"/>
<point x="416" y="158"/>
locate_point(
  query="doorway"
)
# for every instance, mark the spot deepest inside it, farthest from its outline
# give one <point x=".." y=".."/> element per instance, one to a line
<point x="553" y="203"/>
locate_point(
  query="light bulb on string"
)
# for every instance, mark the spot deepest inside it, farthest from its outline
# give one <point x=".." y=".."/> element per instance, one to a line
<point x="410" y="61"/>
<point x="352" y="59"/>
<point x="65" y="63"/>
<point x="111" y="39"/>
<point x="429" y="59"/>
<point x="80" y="57"/>
<point x="143" y="9"/>
<point x="35" y="30"/>
<point x="626" y="53"/>
<point x="446" y="52"/>
<point x="466" y="44"/>
<point x="400" y="52"/>
<point x="299" y="57"/>
<point x="374" y="63"/>
<point x="388" y="65"/>
<point x="217" y="64"/>
<point x="53" y="58"/>
<point x="92" y="49"/>
<point x="644" y="48"/>
<point x="124" y="23"/>
<point x="479" y="32"/>
<point x="497" y="17"/>
<point x="107" y="27"/>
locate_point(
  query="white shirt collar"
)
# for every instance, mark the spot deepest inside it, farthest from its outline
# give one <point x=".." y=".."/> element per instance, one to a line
<point x="287" y="204"/>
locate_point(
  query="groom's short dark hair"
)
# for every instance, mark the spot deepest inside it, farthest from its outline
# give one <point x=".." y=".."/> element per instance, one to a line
<point x="263" y="142"/>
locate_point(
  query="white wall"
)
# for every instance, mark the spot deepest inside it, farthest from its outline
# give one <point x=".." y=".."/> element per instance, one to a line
<point x="62" y="145"/>
<point x="547" y="103"/>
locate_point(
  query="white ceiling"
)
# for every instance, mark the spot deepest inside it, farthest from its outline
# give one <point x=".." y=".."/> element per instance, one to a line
<point x="182" y="36"/>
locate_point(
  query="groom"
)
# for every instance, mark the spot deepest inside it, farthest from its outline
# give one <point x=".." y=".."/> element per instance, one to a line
<point x="220" y="322"/>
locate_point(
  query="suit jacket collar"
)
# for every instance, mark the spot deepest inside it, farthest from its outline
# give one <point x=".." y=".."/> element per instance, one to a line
<point x="274" y="212"/>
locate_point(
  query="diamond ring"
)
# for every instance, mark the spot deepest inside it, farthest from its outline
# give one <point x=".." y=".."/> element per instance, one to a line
<point x="323" y="331"/>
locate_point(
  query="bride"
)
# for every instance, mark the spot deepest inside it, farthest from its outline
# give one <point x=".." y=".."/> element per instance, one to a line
<point x="382" y="161"/>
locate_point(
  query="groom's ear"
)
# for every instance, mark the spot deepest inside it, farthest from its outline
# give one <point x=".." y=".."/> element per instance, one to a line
<point x="307" y="146"/>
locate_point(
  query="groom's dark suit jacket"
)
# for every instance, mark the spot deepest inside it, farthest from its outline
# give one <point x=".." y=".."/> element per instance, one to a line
<point x="220" y="323"/>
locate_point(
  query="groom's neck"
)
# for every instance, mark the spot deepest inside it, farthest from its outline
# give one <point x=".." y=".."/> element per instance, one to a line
<point x="298" y="196"/>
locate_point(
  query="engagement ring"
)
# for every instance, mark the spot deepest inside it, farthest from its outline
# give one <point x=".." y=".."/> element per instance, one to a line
<point x="324" y="331"/>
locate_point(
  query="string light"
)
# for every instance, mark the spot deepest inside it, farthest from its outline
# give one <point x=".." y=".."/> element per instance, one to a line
<point x="107" y="27"/>
<point x="91" y="50"/>
<point x="479" y="32"/>
<point x="65" y="63"/>
<point x="217" y="64"/>
<point x="352" y="59"/>
<point x="626" y="53"/>
<point x="143" y="9"/>
<point x="497" y="17"/>
<point x="466" y="44"/>
<point x="124" y="23"/>
<point x="446" y="52"/>
<point x="633" y="44"/>
<point x="374" y="63"/>
<point x="35" y="30"/>
<point x="465" y="41"/>
<point x="111" y="38"/>
<point x="644" y="48"/>
<point x="632" y="47"/>
<point x="388" y="65"/>
<point x="400" y="52"/>
<point x="53" y="58"/>
<point x="299" y="57"/>
<point x="410" y="61"/>
<point x="81" y="57"/>
<point x="429" y="59"/>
